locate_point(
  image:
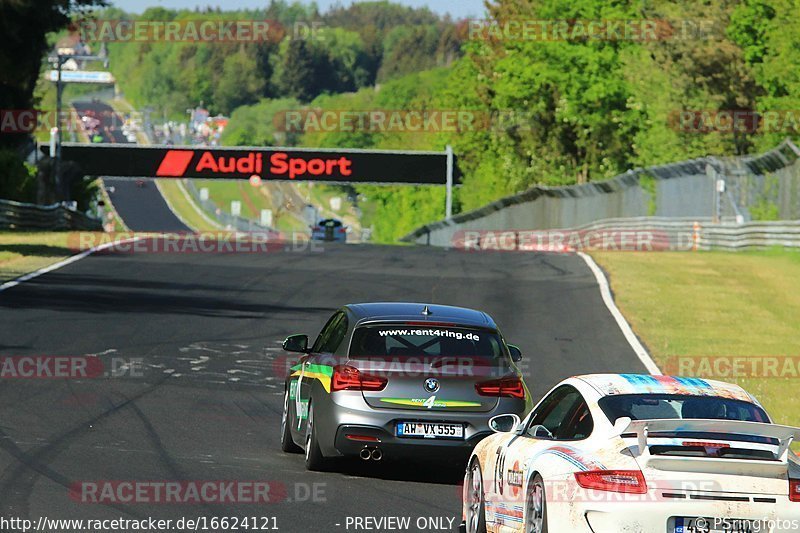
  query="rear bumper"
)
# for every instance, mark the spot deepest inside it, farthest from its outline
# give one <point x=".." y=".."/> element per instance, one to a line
<point x="346" y="412"/>
<point x="575" y="510"/>
<point x="393" y="446"/>
<point x="326" y="238"/>
<point x="659" y="517"/>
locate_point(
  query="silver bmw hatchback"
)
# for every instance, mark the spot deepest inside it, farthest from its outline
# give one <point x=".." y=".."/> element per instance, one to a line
<point x="399" y="380"/>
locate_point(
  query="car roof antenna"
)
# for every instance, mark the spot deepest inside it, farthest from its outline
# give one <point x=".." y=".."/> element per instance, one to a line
<point x="426" y="311"/>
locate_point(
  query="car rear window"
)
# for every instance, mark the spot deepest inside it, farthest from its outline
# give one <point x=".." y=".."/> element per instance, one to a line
<point x="406" y="341"/>
<point x="655" y="406"/>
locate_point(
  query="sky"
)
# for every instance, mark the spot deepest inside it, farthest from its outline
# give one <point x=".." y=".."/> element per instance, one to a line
<point x="457" y="8"/>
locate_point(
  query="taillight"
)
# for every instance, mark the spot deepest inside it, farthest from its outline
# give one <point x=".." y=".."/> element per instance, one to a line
<point x="705" y="444"/>
<point x="630" y="481"/>
<point x="511" y="387"/>
<point x="342" y="230"/>
<point x="350" y="378"/>
<point x="794" y="490"/>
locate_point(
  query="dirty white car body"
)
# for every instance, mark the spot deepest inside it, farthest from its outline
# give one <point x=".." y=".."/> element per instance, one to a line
<point x="590" y="471"/>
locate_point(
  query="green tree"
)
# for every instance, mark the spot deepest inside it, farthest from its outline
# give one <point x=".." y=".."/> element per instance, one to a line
<point x="297" y="76"/>
<point x="240" y="83"/>
<point x="261" y="124"/>
<point x="409" y="49"/>
<point x="24" y="25"/>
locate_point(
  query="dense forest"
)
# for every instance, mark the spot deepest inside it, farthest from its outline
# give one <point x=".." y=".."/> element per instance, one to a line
<point x="581" y="109"/>
<point x="306" y="54"/>
<point x="575" y="108"/>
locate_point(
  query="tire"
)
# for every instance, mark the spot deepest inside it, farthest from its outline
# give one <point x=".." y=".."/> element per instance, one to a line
<point x="476" y="509"/>
<point x="536" y="507"/>
<point x="314" y="459"/>
<point x="287" y="444"/>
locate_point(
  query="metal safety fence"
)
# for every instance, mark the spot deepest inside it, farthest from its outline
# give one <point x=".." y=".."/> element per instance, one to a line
<point x="740" y="189"/>
<point x="23" y="216"/>
<point x="637" y="234"/>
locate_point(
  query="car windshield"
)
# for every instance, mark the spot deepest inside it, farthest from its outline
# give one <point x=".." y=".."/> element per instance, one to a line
<point x="660" y="406"/>
<point x="407" y="341"/>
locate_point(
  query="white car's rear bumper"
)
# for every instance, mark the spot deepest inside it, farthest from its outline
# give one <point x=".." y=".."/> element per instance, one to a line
<point x="660" y="516"/>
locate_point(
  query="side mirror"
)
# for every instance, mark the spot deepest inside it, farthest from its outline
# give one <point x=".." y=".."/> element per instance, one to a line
<point x="504" y="423"/>
<point x="516" y="353"/>
<point x="296" y="343"/>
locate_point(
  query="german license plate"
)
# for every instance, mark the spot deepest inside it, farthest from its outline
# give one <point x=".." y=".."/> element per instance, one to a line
<point x="717" y="525"/>
<point x="430" y="430"/>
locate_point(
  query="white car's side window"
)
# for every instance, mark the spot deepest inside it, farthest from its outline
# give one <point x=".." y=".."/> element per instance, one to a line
<point x="564" y="415"/>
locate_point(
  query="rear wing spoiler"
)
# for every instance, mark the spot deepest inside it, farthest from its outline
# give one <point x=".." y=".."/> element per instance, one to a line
<point x="641" y="428"/>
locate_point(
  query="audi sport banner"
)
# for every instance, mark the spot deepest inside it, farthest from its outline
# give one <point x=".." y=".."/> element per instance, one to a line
<point x="267" y="163"/>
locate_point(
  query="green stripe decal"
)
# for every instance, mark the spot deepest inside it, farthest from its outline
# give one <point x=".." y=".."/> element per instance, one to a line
<point x="313" y="369"/>
<point x="321" y="372"/>
<point x="320" y="369"/>
<point x="420" y="402"/>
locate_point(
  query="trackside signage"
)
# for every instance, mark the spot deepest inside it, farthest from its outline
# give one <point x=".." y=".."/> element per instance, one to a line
<point x="267" y="163"/>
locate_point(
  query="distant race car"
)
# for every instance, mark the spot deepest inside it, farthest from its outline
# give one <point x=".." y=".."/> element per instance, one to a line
<point x="400" y="379"/>
<point x="330" y="230"/>
<point x="607" y="453"/>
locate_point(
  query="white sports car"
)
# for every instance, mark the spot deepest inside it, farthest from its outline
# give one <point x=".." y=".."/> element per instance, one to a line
<point x="609" y="453"/>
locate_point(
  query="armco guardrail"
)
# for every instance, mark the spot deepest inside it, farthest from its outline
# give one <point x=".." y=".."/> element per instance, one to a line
<point x="637" y="234"/>
<point x="17" y="215"/>
<point x="768" y="181"/>
<point x="750" y="235"/>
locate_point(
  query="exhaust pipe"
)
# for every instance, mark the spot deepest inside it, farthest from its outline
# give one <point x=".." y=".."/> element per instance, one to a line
<point x="365" y="454"/>
<point x="377" y="454"/>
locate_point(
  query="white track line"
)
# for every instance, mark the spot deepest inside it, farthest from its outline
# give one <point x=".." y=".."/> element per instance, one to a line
<point x="608" y="299"/>
<point x="172" y="208"/>
<point x="107" y="198"/>
<point x="196" y="207"/>
<point x="55" y="266"/>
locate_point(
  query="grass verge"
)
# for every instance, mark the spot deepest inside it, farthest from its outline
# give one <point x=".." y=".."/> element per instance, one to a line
<point x="178" y="200"/>
<point x="701" y="311"/>
<point x="22" y="251"/>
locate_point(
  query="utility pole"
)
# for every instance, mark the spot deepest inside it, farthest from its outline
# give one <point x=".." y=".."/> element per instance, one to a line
<point x="448" y="208"/>
<point x="58" y="60"/>
<point x="62" y="193"/>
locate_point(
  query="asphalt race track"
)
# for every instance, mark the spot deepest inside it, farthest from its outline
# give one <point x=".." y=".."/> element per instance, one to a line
<point x="205" y="400"/>
<point x="110" y="121"/>
<point x="141" y="205"/>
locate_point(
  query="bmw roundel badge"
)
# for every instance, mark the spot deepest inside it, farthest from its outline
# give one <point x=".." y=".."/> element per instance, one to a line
<point x="431" y="385"/>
